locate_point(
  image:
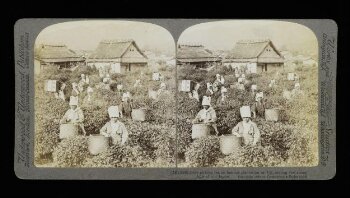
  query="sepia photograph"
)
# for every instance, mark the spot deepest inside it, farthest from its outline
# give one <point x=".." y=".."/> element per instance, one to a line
<point x="229" y="93"/>
<point x="248" y="95"/>
<point x="105" y="95"/>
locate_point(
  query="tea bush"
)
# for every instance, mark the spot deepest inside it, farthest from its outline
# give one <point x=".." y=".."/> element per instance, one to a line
<point x="203" y="152"/>
<point x="118" y="156"/>
<point x="71" y="152"/>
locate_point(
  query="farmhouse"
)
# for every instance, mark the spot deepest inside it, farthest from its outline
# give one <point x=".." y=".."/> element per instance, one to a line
<point x="55" y="54"/>
<point x="196" y="55"/>
<point x="117" y="56"/>
<point x="254" y="56"/>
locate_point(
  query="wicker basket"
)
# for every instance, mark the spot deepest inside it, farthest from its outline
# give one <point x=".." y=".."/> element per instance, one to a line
<point x="200" y="130"/>
<point x="98" y="144"/>
<point x="272" y="114"/>
<point x="230" y="144"/>
<point x="138" y="114"/>
<point x="68" y="130"/>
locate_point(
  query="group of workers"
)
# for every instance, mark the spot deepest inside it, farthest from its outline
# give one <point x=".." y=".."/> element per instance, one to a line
<point x="246" y="129"/>
<point x="114" y="128"/>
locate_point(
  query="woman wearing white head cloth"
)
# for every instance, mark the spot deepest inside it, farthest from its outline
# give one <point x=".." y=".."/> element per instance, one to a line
<point x="74" y="115"/>
<point x="207" y="115"/>
<point x="209" y="89"/>
<point x="161" y="89"/>
<point x="195" y="94"/>
<point x="247" y="129"/>
<point x="126" y="105"/>
<point x="223" y="95"/>
<point x="296" y="91"/>
<point x="75" y="91"/>
<point x="114" y="128"/>
<point x="89" y="98"/>
<point x="258" y="108"/>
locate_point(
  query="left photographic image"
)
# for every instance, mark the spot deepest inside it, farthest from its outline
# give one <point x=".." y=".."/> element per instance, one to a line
<point x="105" y="95"/>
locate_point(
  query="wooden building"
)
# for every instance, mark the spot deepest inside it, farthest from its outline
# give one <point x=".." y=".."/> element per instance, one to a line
<point x="254" y="56"/>
<point x="196" y="55"/>
<point x="117" y="56"/>
<point x="55" y="55"/>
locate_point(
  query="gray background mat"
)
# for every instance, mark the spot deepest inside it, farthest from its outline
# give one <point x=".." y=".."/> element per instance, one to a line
<point x="26" y="31"/>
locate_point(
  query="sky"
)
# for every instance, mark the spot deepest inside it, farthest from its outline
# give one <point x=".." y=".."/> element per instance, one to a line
<point x="85" y="35"/>
<point x="222" y="35"/>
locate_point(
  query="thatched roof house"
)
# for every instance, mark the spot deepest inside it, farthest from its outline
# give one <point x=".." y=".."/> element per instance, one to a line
<point x="116" y="54"/>
<point x="253" y="54"/>
<point x="195" y="55"/>
<point x="55" y="54"/>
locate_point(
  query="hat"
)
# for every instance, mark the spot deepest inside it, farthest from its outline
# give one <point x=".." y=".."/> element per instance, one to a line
<point x="223" y="90"/>
<point x="89" y="90"/>
<point x="206" y="101"/>
<point x="254" y="87"/>
<point x="197" y="85"/>
<point x="162" y="85"/>
<point x="105" y="80"/>
<point x="73" y="100"/>
<point x="259" y="95"/>
<point x="113" y="112"/>
<point x="245" y="112"/>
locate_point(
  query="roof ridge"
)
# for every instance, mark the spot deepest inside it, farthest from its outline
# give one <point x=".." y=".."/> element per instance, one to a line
<point x="111" y="41"/>
<point x="252" y="41"/>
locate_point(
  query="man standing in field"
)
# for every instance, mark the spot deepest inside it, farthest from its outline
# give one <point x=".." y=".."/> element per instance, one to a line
<point x="258" y="108"/>
<point x="126" y="106"/>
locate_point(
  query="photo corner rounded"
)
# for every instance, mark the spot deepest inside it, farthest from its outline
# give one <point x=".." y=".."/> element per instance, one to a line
<point x="333" y="22"/>
<point x="20" y="173"/>
<point x="19" y="22"/>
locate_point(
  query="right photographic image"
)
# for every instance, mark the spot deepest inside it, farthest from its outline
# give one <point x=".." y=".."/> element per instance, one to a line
<point x="247" y="95"/>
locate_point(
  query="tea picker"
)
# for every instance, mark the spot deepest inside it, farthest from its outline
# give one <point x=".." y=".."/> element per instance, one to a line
<point x="74" y="115"/>
<point x="75" y="91"/>
<point x="115" y="128"/>
<point x="126" y="105"/>
<point x="258" y="108"/>
<point x="207" y="115"/>
<point x="247" y="129"/>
